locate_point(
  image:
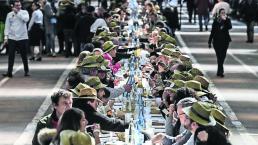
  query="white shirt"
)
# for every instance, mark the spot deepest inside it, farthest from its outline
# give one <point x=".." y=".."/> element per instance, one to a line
<point x="190" y="140"/>
<point x="219" y="6"/>
<point x="37" y="17"/>
<point x="98" y="23"/>
<point x="15" y="25"/>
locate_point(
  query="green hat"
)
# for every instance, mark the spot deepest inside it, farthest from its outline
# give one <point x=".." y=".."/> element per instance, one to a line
<point x="169" y="45"/>
<point x="108" y="45"/>
<point x="195" y="71"/>
<point x="178" y="76"/>
<point x="176" y="54"/>
<point x="170" y="40"/>
<point x="90" y="62"/>
<point x="179" y="83"/>
<point x="187" y="76"/>
<point x="95" y="83"/>
<point x="193" y="85"/>
<point x="200" y="114"/>
<point x="163" y="35"/>
<point x="220" y="118"/>
<point x="113" y="24"/>
<point x="184" y="57"/>
<point x="203" y="80"/>
<point x="68" y="137"/>
<point x="77" y="89"/>
<point x="166" y="52"/>
<point x="187" y="64"/>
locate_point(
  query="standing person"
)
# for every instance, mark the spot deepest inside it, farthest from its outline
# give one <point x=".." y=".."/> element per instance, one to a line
<point x="220" y="39"/>
<point x="68" y="22"/>
<point x="50" y="22"/>
<point x="16" y="35"/>
<point x="191" y="10"/>
<point x="61" y="101"/>
<point x="221" y="4"/>
<point x="35" y="31"/>
<point x="202" y="8"/>
<point x="248" y="10"/>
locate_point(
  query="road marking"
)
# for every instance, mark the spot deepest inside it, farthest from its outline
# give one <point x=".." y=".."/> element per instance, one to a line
<point x="27" y="135"/>
<point x="5" y="79"/>
<point x="243" y="64"/>
<point x="246" y="138"/>
<point x="208" y="33"/>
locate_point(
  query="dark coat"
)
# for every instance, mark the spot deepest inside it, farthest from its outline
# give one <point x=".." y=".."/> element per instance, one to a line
<point x="220" y="31"/>
<point x="45" y="122"/>
<point x="106" y="123"/>
<point x="249" y="10"/>
<point x="202" y="7"/>
<point x="82" y="28"/>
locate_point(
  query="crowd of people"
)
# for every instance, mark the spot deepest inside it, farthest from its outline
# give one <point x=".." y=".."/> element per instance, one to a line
<point x="101" y="39"/>
<point x="84" y="107"/>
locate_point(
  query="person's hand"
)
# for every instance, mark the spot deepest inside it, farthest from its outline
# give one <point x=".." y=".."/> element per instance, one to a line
<point x="178" y="137"/>
<point x="158" y="138"/>
<point x="96" y="128"/>
<point x="128" y="88"/>
<point x="203" y="136"/>
<point x="171" y="109"/>
<point x="209" y="45"/>
<point x="5" y="41"/>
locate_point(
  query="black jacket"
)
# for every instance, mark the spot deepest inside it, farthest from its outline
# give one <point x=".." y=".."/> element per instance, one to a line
<point x="220" y="31"/>
<point x="106" y="123"/>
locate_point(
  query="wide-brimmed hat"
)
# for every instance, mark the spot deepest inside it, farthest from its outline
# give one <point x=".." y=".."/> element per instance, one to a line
<point x="108" y="45"/>
<point x="95" y="83"/>
<point x="184" y="57"/>
<point x="195" y="71"/>
<point x="169" y="45"/>
<point x="90" y="61"/>
<point x="178" y="76"/>
<point x="200" y="114"/>
<point x="167" y="52"/>
<point x="203" y="80"/>
<point x="220" y="118"/>
<point x="170" y="40"/>
<point x="193" y="85"/>
<point x="88" y="93"/>
<point x="176" y="54"/>
<point x="79" y="87"/>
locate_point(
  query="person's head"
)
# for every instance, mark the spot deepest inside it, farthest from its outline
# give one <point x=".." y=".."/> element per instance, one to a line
<point x="97" y="51"/>
<point x="17" y="5"/>
<point x="222" y="13"/>
<point x="73" y="79"/>
<point x="103" y="95"/>
<point x="72" y="119"/>
<point x="182" y="93"/>
<point x="149" y="7"/>
<point x="186" y="102"/>
<point x="107" y="17"/>
<point x="61" y="101"/>
<point x="90" y="9"/>
<point x="35" y="6"/>
<point x="88" y="47"/>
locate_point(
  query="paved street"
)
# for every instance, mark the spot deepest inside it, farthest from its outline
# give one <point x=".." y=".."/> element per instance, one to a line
<point x="240" y="85"/>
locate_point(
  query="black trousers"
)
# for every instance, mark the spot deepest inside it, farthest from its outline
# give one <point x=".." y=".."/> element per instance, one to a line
<point x="221" y="52"/>
<point x="21" y="46"/>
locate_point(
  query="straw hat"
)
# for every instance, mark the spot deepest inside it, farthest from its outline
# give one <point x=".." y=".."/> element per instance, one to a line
<point x="77" y="89"/>
<point x="203" y="80"/>
<point x="193" y="85"/>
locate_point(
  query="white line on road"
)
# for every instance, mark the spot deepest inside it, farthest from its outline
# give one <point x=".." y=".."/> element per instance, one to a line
<point x="208" y="33"/>
<point x="246" y="138"/>
<point x="27" y="135"/>
<point x="243" y="64"/>
<point x="4" y="80"/>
